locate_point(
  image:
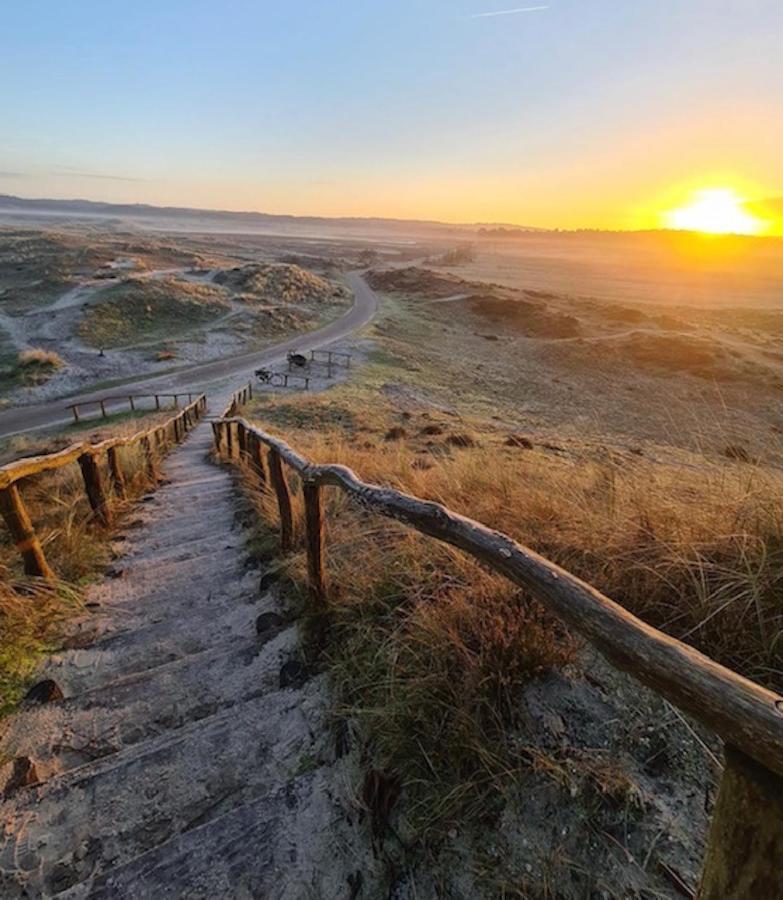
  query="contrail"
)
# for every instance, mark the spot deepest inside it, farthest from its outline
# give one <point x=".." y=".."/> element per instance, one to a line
<point x="508" y="12"/>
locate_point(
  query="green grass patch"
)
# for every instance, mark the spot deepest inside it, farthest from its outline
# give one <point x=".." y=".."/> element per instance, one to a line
<point x="137" y="311"/>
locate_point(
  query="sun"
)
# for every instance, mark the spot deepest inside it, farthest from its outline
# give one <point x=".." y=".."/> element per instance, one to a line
<point x="714" y="211"/>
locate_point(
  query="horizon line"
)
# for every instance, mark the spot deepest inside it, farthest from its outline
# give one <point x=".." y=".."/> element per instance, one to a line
<point x="511" y="226"/>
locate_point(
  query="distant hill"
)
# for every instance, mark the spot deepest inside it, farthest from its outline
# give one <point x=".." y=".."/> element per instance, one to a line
<point x="191" y="219"/>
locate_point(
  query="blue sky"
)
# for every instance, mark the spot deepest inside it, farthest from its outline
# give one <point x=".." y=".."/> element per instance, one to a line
<point x="577" y="114"/>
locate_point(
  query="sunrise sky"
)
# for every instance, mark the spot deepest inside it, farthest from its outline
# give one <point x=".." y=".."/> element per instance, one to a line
<point x="605" y="114"/>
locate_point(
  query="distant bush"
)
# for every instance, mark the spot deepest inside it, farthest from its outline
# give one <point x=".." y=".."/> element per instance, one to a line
<point x="35" y="366"/>
<point x="457" y="257"/>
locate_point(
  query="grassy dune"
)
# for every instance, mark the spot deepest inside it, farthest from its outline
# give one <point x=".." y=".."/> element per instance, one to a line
<point x="432" y="653"/>
<point x="149" y="310"/>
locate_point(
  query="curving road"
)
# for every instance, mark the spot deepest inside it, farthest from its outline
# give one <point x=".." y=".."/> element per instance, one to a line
<point x="219" y="375"/>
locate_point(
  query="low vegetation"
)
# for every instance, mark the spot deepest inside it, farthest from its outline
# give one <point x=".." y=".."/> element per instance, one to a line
<point x="33" y="615"/>
<point x="36" y="366"/>
<point x="431" y="651"/>
<point x="145" y="310"/>
<point x="279" y="283"/>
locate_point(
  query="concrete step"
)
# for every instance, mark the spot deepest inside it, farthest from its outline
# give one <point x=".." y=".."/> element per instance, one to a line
<point x="271" y="848"/>
<point x="179" y="631"/>
<point x="70" y="733"/>
<point x="102" y="815"/>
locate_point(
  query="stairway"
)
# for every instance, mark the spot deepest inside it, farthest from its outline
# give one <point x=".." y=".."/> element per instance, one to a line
<point x="182" y="762"/>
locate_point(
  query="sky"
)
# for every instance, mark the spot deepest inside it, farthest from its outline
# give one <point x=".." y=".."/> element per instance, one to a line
<point x="584" y="113"/>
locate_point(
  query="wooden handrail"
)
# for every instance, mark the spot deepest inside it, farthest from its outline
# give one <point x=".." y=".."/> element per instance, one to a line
<point x="12" y="508"/>
<point x="746" y="833"/>
<point x="111" y="397"/>
<point x="131" y="398"/>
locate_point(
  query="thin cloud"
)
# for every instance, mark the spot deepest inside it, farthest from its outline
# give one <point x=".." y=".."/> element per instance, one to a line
<point x="73" y="172"/>
<point x="508" y="12"/>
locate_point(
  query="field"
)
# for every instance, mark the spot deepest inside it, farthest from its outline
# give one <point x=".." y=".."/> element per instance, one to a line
<point x="611" y="402"/>
<point x="115" y="306"/>
<point x="625" y="441"/>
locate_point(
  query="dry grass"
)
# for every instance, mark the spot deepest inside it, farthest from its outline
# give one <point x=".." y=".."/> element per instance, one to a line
<point x="431" y="651"/>
<point x="33" y="616"/>
<point x="35" y="366"/>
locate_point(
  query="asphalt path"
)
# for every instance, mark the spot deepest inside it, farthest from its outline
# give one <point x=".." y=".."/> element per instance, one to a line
<point x="217" y="376"/>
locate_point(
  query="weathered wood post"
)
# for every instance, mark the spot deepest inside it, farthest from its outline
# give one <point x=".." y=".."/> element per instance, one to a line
<point x="21" y="529"/>
<point x="283" y="501"/>
<point x="242" y="442"/>
<point x="160" y="441"/>
<point x="115" y="472"/>
<point x="103" y="408"/>
<point x="149" y="459"/>
<point x="229" y="440"/>
<point x="257" y="460"/>
<point x="132" y="404"/>
<point x="745" y="845"/>
<point x="157" y="401"/>
<point x="93" y="486"/>
<point x="314" y="534"/>
<point x="75" y="411"/>
<point x="250" y="389"/>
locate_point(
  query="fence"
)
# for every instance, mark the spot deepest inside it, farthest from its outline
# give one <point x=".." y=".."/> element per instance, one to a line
<point x="152" y="441"/>
<point x="746" y="835"/>
<point x="131" y="398"/>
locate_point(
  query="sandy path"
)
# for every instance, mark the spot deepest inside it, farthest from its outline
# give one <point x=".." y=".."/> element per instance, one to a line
<point x="192" y="755"/>
<point x="208" y="375"/>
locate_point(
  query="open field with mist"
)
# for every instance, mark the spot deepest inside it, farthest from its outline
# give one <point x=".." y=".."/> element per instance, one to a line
<point x="114" y="305"/>
<point x="636" y="442"/>
<point x="611" y="402"/>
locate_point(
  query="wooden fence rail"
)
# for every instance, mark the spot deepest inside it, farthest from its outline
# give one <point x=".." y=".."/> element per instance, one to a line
<point x="152" y="441"/>
<point x="746" y="836"/>
<point x="131" y="400"/>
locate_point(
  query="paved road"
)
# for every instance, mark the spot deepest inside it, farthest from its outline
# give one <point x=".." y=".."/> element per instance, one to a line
<point x="219" y="374"/>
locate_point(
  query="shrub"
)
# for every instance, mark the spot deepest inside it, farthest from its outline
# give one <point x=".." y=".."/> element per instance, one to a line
<point x="35" y="366"/>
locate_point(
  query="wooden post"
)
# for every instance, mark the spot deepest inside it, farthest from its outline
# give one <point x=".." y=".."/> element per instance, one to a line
<point x="132" y="404"/>
<point x="250" y="389"/>
<point x="242" y="442"/>
<point x="103" y="409"/>
<point x="149" y="457"/>
<point x="176" y="401"/>
<point x="257" y="460"/>
<point x="315" y="542"/>
<point x="745" y="845"/>
<point x="229" y="440"/>
<point x="283" y="501"/>
<point x="157" y="401"/>
<point x="115" y="472"/>
<point x="93" y="486"/>
<point x="160" y="441"/>
<point x="18" y="522"/>
<point x="75" y="411"/>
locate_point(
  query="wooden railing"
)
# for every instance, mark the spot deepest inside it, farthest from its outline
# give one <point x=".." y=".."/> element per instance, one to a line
<point x="746" y="835"/>
<point x="131" y="399"/>
<point x="153" y="442"/>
